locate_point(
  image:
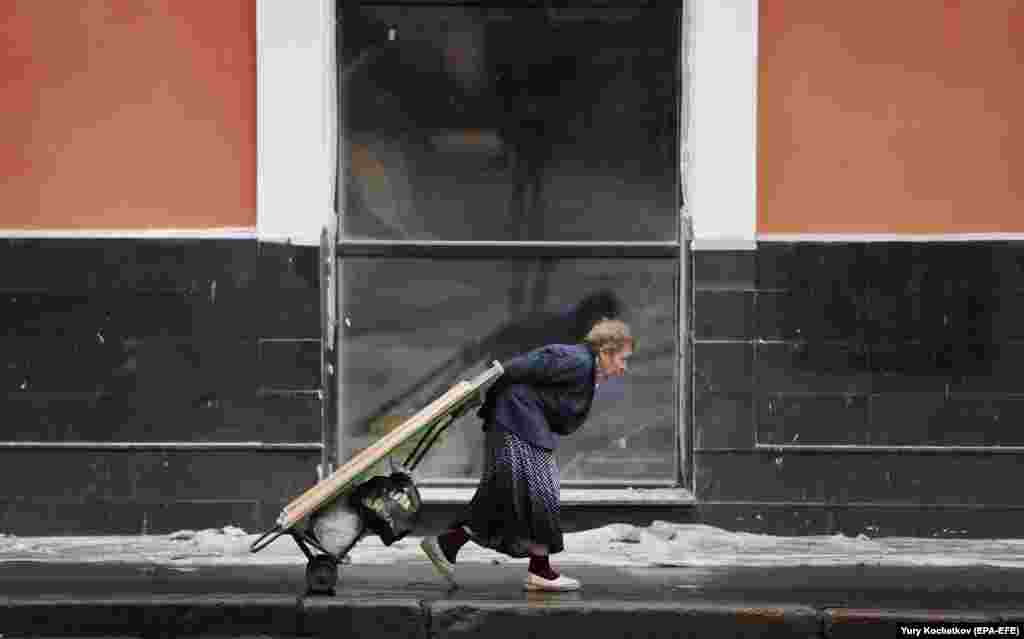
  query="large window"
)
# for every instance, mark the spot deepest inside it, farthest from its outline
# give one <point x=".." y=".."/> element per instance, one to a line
<point x="510" y="176"/>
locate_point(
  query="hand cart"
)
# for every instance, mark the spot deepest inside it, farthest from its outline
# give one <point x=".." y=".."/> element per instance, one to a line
<point x="431" y="422"/>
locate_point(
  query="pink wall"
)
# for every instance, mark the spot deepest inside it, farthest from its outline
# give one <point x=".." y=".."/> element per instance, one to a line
<point x="891" y="117"/>
<point x="128" y="114"/>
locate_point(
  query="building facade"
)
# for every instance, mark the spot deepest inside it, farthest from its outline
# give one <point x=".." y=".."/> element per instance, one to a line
<point x="241" y="244"/>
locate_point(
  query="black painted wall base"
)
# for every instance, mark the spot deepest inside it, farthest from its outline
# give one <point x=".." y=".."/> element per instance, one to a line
<point x="856" y="345"/>
<point x="908" y="520"/>
<point x="816" y="365"/>
<point x="134" y="342"/>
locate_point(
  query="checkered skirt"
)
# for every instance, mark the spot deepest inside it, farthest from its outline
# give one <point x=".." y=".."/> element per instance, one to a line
<point x="517" y="500"/>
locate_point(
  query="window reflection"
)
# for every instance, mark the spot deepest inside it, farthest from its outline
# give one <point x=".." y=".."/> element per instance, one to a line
<point x="413" y="327"/>
<point x="466" y="123"/>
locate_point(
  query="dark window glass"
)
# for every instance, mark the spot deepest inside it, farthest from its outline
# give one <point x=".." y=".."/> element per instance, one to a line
<point x="465" y="123"/>
<point x="413" y="327"/>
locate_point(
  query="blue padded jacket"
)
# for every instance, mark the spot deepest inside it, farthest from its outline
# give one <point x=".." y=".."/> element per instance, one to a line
<point x="544" y="392"/>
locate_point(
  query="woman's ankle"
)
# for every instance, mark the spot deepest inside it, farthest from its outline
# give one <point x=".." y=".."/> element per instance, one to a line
<point x="537" y="550"/>
<point x="452" y="541"/>
<point x="540" y="565"/>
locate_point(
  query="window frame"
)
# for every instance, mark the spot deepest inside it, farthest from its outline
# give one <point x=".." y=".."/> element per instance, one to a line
<point x="677" y="249"/>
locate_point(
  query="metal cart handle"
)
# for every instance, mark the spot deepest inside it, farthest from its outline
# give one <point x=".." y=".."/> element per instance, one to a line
<point x="492" y="373"/>
<point x="260" y="544"/>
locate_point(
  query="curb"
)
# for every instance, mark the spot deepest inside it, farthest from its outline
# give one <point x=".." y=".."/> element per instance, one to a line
<point x="150" y="615"/>
<point x="593" y="619"/>
<point x="542" y="614"/>
<point x="854" y="622"/>
<point x="405" y="617"/>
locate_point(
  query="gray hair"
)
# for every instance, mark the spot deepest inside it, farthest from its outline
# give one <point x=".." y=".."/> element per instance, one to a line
<point x="609" y="335"/>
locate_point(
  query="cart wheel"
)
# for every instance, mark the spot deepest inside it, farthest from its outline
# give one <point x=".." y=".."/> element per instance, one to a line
<point x="322" y="575"/>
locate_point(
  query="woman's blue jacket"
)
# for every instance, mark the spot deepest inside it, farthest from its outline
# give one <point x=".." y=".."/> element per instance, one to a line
<point x="544" y="392"/>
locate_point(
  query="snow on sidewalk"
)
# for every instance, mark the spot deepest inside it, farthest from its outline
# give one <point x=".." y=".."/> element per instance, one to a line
<point x="660" y="544"/>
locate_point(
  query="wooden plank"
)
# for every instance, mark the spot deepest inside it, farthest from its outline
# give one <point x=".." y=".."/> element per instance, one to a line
<point x="338" y="481"/>
<point x="328" y="488"/>
<point x="325" y="490"/>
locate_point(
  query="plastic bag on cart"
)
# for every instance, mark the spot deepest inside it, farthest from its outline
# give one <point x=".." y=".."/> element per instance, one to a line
<point x="337" y="526"/>
<point x="390" y="505"/>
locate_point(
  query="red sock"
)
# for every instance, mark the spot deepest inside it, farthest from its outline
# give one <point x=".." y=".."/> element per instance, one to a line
<point x="452" y="541"/>
<point x="541" y="567"/>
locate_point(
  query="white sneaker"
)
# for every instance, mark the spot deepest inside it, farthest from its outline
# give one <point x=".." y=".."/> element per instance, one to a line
<point x="561" y="584"/>
<point x="443" y="566"/>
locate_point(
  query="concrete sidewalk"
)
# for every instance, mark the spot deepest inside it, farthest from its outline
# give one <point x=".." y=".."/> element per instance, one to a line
<point x="207" y="583"/>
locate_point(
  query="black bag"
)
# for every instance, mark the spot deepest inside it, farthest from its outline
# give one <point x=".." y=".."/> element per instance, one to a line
<point x="390" y="506"/>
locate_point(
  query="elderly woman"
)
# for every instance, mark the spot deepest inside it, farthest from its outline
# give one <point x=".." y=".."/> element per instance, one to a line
<point x="515" y="510"/>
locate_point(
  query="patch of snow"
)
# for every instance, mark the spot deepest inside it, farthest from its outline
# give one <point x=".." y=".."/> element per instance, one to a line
<point x="664" y="530"/>
<point x="635" y="547"/>
<point x="182" y="535"/>
<point x="20" y="547"/>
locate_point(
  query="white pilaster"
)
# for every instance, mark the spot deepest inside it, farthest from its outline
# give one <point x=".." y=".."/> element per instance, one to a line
<point x="720" y="122"/>
<point x="296" y="120"/>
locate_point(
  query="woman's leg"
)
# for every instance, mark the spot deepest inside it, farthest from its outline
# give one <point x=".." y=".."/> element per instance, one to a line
<point x="459" y="532"/>
<point x="453" y="540"/>
<point x="539" y="562"/>
<point x="547" y="499"/>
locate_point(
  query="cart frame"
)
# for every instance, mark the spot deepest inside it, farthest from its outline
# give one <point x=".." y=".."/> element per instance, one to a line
<point x="322" y="569"/>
